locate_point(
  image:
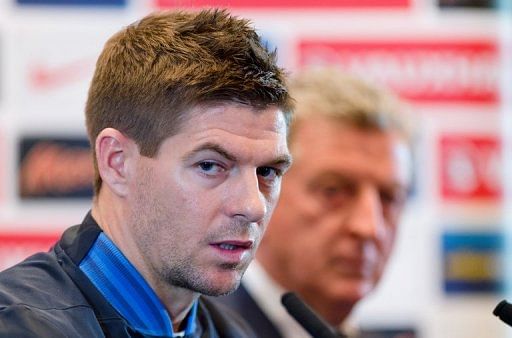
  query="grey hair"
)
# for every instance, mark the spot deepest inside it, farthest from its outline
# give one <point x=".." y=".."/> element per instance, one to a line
<point x="329" y="92"/>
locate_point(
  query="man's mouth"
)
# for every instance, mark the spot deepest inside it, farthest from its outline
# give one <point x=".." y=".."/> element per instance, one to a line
<point x="234" y="245"/>
<point x="233" y="251"/>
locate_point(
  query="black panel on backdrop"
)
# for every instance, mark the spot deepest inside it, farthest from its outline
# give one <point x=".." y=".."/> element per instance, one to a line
<point x="51" y="167"/>
<point x="468" y="3"/>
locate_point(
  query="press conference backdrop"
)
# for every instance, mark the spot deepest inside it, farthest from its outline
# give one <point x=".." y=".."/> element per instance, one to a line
<point x="443" y="57"/>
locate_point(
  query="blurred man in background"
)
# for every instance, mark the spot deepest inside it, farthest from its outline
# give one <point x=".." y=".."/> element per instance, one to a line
<point x="335" y="225"/>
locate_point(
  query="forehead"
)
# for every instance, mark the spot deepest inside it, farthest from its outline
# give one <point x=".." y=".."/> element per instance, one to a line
<point x="247" y="119"/>
<point x="237" y="128"/>
<point x="324" y="143"/>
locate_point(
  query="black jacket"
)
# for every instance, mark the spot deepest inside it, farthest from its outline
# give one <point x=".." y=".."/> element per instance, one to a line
<point x="47" y="295"/>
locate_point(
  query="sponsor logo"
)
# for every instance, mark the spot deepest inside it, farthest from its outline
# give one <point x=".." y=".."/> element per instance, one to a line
<point x="15" y="247"/>
<point x="55" y="168"/>
<point x="472" y="262"/>
<point x="470" y="167"/>
<point x="286" y="3"/>
<point x="42" y="77"/>
<point x="424" y="71"/>
<point x="74" y="2"/>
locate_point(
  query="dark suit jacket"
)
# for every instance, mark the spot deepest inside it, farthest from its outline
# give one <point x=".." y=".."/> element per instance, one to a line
<point x="244" y="305"/>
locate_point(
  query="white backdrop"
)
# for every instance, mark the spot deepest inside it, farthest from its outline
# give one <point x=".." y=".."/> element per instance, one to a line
<point x="445" y="61"/>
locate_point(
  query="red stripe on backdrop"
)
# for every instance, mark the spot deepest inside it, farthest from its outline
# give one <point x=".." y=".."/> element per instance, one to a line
<point x="285" y="3"/>
<point x="14" y="247"/>
<point x="29" y="237"/>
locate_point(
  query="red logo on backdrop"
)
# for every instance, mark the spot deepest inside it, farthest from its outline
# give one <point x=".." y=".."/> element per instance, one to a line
<point x="425" y="71"/>
<point x="470" y="167"/>
<point x="42" y="77"/>
<point x="16" y="247"/>
<point x="285" y="3"/>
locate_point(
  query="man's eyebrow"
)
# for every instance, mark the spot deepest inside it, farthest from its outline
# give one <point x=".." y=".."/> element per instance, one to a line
<point x="284" y="160"/>
<point x="209" y="146"/>
<point x="348" y="178"/>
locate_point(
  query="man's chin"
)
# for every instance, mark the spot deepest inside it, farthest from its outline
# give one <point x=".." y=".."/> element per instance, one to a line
<point x="222" y="285"/>
<point x="351" y="290"/>
<point x="220" y="290"/>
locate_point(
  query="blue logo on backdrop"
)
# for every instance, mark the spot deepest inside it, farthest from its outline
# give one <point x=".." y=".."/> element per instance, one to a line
<point x="74" y="2"/>
<point x="472" y="261"/>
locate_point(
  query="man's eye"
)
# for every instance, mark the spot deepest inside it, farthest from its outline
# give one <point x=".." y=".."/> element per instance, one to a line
<point x="397" y="198"/>
<point x="210" y="168"/>
<point x="331" y="191"/>
<point x="268" y="173"/>
<point x="336" y="195"/>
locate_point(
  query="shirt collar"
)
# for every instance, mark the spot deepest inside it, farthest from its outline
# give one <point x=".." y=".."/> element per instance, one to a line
<point x="127" y="291"/>
<point x="267" y="294"/>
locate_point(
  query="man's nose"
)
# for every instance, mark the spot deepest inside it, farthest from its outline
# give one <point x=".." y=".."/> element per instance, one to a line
<point x="366" y="214"/>
<point x="246" y="199"/>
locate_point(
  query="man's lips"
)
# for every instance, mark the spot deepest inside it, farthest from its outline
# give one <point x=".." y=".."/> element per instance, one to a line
<point x="232" y="251"/>
<point x="234" y="245"/>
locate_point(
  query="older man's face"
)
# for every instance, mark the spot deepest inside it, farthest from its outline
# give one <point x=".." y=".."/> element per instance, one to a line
<point x="334" y="227"/>
<point x="201" y="206"/>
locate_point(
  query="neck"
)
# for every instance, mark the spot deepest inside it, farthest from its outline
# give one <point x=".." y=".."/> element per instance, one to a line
<point x="178" y="302"/>
<point x="112" y="217"/>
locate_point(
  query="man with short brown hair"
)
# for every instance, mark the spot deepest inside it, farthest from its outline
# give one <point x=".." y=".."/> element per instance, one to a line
<point x="187" y="115"/>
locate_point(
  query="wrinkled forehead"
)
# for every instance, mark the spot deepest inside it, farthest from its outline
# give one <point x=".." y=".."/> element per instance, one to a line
<point x="269" y="118"/>
<point x="323" y="142"/>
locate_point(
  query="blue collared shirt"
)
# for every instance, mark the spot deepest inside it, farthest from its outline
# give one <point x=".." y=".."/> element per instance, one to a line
<point x="127" y="291"/>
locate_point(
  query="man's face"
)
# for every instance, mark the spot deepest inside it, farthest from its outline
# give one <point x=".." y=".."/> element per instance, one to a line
<point x="201" y="206"/>
<point x="334" y="227"/>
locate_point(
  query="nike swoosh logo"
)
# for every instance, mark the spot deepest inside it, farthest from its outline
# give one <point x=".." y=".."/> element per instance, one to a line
<point x="42" y="77"/>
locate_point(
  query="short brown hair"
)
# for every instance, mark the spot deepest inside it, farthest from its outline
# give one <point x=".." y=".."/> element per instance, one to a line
<point x="328" y="91"/>
<point x="153" y="72"/>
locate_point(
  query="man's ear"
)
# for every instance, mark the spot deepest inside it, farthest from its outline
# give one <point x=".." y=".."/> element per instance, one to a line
<point x="115" y="156"/>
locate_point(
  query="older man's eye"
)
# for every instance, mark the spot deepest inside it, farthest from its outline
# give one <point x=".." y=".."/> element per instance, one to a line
<point x="393" y="197"/>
